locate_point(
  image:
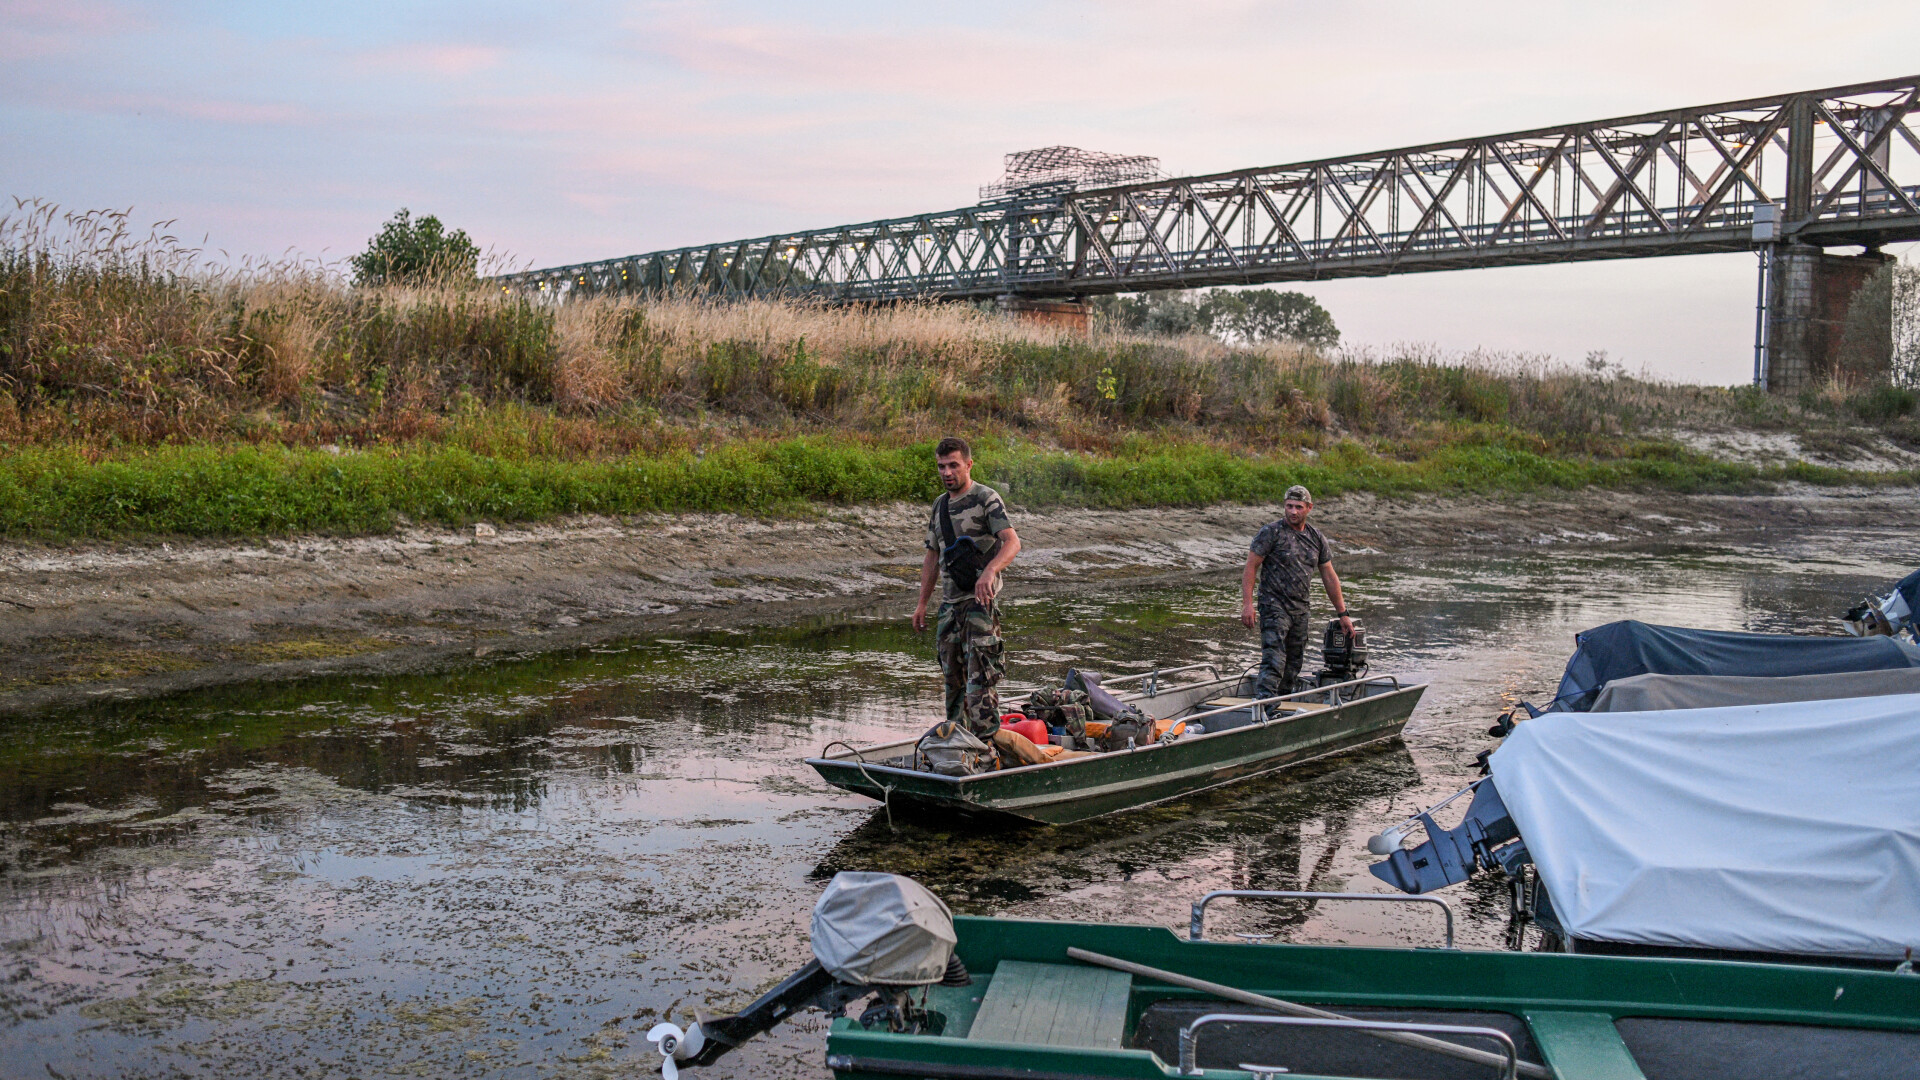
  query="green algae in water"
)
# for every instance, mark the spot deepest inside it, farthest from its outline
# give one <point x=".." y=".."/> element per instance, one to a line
<point x="506" y="870"/>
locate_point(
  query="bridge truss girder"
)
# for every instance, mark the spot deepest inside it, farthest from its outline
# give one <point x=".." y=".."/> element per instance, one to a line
<point x="1841" y="166"/>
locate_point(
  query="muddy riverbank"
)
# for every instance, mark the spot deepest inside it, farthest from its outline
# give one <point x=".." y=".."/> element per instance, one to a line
<point x="87" y="623"/>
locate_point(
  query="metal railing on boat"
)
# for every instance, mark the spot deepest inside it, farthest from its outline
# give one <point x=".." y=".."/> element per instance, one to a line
<point x="1150" y="680"/>
<point x="1196" y="931"/>
<point x="1259" y="705"/>
<point x="1190" y="1037"/>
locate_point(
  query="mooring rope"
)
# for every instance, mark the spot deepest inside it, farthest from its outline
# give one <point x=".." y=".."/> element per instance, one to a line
<point x="859" y="762"/>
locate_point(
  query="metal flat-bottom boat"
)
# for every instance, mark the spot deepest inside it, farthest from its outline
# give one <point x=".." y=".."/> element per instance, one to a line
<point x="1245" y="736"/>
<point x="1034" y="1010"/>
<point x="993" y="998"/>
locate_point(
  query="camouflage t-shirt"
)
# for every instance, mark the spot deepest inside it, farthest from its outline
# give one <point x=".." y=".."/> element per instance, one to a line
<point x="1292" y="561"/>
<point x="979" y="513"/>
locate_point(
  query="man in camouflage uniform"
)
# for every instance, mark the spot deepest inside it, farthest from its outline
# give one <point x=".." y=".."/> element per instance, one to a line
<point x="1282" y="561"/>
<point x="967" y="634"/>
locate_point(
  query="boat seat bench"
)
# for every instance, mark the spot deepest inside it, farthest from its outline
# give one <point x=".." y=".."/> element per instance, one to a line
<point x="1054" y="1005"/>
<point x="1276" y="707"/>
<point x="1583" y="1044"/>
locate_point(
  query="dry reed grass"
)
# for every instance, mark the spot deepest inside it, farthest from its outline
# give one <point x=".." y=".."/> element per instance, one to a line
<point x="113" y="336"/>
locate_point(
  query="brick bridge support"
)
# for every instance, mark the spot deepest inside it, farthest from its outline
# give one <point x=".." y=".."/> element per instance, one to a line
<point x="1075" y="315"/>
<point x="1814" y="298"/>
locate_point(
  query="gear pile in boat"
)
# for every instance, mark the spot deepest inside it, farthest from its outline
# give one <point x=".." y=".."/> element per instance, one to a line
<point x="1081" y="716"/>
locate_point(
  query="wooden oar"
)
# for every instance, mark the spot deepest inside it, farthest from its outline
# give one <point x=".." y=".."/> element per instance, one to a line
<point x="1247" y="997"/>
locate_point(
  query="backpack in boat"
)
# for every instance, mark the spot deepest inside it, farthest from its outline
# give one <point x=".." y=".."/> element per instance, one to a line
<point x="1138" y="732"/>
<point x="1105" y="705"/>
<point x="951" y="750"/>
<point x="1123" y="721"/>
<point x="1062" y="708"/>
<point x="962" y="555"/>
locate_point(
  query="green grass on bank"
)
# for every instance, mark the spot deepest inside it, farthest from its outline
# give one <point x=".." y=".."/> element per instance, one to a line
<point x="205" y="490"/>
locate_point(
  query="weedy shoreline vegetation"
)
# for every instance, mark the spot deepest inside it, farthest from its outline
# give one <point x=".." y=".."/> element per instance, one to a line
<point x="144" y="393"/>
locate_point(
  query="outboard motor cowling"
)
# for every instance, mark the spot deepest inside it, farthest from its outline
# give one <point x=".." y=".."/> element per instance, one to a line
<point x="882" y="929"/>
<point x="1343" y="656"/>
<point x="873" y="935"/>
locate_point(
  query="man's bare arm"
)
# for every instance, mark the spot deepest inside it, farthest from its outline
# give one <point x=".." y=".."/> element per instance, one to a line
<point x="929" y="577"/>
<point x="1248" y="617"/>
<point x="1003" y="553"/>
<point x="1332" y="581"/>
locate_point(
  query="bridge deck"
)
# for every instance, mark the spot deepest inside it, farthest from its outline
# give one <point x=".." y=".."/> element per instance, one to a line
<point x="1837" y="166"/>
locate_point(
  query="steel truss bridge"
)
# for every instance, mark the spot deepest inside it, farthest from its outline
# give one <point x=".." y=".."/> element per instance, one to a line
<point x="1825" y="167"/>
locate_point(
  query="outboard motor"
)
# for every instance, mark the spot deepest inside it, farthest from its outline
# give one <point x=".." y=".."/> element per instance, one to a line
<point x="874" y="935"/>
<point x="1343" y="656"/>
<point x="1890" y="614"/>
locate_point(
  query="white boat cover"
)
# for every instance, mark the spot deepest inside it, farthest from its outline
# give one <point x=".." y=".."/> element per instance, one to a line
<point x="882" y="928"/>
<point x="1788" y="828"/>
<point x="1647" y="693"/>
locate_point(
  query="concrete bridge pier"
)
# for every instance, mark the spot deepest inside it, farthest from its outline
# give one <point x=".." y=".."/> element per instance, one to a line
<point x="1828" y="317"/>
<point x="1075" y="315"/>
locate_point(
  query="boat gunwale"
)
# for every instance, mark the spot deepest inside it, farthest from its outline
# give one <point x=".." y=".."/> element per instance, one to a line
<point x="1324" y="957"/>
<point x="859" y="764"/>
<point x="1395" y="977"/>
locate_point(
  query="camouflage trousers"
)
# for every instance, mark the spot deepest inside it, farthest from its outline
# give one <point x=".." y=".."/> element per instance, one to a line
<point x="967" y="640"/>
<point x="1283" y="649"/>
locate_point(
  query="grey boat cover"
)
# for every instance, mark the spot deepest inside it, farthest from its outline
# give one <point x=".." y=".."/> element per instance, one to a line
<point x="882" y="928"/>
<point x="1650" y="693"/>
<point x="1787" y="828"/>
<point x="1623" y="649"/>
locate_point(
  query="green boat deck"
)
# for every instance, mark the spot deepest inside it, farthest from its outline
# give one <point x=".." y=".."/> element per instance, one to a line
<point x="1054" y="1005"/>
<point x="1035" y="1013"/>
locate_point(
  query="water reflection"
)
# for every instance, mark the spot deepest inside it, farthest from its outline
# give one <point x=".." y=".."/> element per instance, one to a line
<point x="511" y="871"/>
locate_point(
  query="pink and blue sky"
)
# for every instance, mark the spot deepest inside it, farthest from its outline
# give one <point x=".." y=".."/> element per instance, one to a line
<point x="561" y="132"/>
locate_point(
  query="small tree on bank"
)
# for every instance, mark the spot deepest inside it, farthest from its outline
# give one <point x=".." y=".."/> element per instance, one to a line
<point x="411" y="252"/>
<point x="1249" y="316"/>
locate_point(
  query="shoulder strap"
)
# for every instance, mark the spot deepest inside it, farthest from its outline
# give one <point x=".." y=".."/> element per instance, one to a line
<point x="946" y="521"/>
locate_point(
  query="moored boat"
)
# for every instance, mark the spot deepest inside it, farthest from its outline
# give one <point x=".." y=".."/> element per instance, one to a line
<point x="1243" y="736"/>
<point x="1711" y="813"/>
<point x="990" y="998"/>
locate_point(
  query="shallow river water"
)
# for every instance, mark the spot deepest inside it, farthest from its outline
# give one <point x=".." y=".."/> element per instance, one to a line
<point x="515" y="870"/>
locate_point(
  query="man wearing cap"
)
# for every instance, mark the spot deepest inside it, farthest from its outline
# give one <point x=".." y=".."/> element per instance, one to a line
<point x="1281" y="563"/>
<point x="970" y="517"/>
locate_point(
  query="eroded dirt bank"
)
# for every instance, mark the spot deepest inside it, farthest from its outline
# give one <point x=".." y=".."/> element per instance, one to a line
<point x="127" y="620"/>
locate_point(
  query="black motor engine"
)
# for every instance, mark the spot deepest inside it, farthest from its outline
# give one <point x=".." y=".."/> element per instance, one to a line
<point x="1343" y="656"/>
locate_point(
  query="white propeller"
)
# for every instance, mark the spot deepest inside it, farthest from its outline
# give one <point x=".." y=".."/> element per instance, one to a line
<point x="1387" y="842"/>
<point x="675" y="1046"/>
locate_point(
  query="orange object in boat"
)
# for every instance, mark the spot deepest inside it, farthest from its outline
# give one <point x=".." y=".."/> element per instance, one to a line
<point x="1096" y="728"/>
<point x="1034" y="730"/>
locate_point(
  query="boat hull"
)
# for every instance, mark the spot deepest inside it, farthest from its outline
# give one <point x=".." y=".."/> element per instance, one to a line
<point x="1076" y="789"/>
<point x="1573" y="1012"/>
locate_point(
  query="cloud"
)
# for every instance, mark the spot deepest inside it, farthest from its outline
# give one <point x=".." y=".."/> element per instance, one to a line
<point x="93" y="16"/>
<point x="215" y="110"/>
<point x="39" y="29"/>
<point x="441" y="59"/>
